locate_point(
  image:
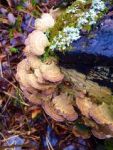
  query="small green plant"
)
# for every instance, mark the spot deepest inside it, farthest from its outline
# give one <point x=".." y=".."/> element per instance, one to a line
<point x="48" y="54"/>
<point x="18" y="23"/>
<point x="80" y="16"/>
<point x="19" y="7"/>
<point x="11" y="31"/>
<point x="19" y="101"/>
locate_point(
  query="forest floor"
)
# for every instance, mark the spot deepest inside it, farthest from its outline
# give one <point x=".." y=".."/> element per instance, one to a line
<point x="24" y="125"/>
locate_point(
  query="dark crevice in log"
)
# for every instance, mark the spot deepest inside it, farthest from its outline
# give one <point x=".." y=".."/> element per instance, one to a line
<point x="99" y="74"/>
<point x="82" y="82"/>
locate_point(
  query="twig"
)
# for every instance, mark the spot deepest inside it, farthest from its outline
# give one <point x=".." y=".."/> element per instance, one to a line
<point x="50" y="147"/>
<point x="13" y="85"/>
<point x="9" y="3"/>
<point x="4" y="108"/>
<point x="3" y="137"/>
<point x="29" y="23"/>
<point x="13" y="146"/>
<point x="22" y="102"/>
<point x="1" y="73"/>
<point x="46" y="118"/>
<point x="26" y="12"/>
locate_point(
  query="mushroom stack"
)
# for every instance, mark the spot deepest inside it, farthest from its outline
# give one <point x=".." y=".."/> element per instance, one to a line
<point x="39" y="80"/>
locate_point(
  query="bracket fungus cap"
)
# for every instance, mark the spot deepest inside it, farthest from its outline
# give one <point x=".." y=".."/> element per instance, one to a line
<point x="37" y="41"/>
<point x="51" y="72"/>
<point x="62" y="104"/>
<point x="49" y="109"/>
<point x="45" y="22"/>
<point x="84" y="105"/>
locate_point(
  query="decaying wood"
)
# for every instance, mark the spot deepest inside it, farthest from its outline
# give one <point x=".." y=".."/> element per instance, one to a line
<point x="81" y="83"/>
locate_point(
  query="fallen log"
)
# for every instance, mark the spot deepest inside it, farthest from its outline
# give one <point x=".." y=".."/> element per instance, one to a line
<point x="89" y="64"/>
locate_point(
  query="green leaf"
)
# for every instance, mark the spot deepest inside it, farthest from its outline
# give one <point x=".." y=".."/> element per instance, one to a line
<point x="11" y="31"/>
<point x="13" y="50"/>
<point x="19" y="7"/>
<point x="18" y="23"/>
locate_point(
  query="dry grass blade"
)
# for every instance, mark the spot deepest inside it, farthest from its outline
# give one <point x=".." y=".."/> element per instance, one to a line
<point x="1" y="73"/>
<point x="11" y="96"/>
<point x="49" y="145"/>
<point x="9" y="3"/>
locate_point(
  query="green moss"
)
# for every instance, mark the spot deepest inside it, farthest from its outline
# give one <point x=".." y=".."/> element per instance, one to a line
<point x="69" y="18"/>
<point x="108" y="99"/>
<point x="48" y="54"/>
<point x="87" y="27"/>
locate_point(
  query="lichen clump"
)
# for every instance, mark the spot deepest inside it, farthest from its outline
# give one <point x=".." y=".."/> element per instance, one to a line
<point x="80" y="16"/>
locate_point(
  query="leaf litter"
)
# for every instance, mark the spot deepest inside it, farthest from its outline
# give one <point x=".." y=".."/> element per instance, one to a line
<point x="22" y="125"/>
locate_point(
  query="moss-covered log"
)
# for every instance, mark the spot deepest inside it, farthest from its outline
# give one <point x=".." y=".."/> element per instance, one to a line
<point x="69" y="19"/>
<point x="89" y="64"/>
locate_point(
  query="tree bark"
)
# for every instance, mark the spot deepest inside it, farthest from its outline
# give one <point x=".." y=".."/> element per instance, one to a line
<point x="83" y="82"/>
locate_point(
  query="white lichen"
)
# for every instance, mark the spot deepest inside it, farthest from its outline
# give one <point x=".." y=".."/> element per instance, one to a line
<point x="65" y="38"/>
<point x="69" y="34"/>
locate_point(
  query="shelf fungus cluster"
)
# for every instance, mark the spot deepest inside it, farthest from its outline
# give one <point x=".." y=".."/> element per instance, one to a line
<point x="101" y="114"/>
<point x="39" y="79"/>
<point x="42" y="82"/>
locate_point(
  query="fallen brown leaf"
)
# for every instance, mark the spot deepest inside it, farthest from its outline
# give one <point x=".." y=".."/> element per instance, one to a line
<point x="2" y="56"/>
<point x="35" y="113"/>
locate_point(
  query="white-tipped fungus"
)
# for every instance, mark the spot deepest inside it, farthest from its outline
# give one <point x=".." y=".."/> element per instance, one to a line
<point x="102" y="132"/>
<point x="37" y="42"/>
<point x="45" y="22"/>
<point x="99" y="134"/>
<point x="33" y="98"/>
<point x="38" y="74"/>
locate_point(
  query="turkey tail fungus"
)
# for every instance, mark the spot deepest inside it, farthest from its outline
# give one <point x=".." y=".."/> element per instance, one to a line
<point x="71" y="91"/>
